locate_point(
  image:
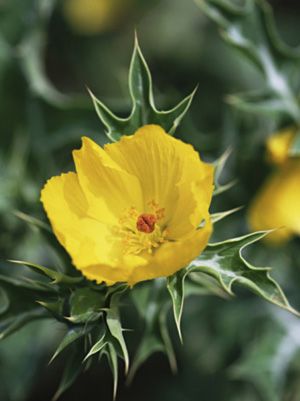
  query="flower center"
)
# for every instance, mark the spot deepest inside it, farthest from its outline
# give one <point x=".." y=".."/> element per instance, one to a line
<point x="146" y="223"/>
<point x="141" y="232"/>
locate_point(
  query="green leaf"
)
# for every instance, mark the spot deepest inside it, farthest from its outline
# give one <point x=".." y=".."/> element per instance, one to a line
<point x="72" y="335"/>
<point x="112" y="358"/>
<point x="140" y="295"/>
<point x="97" y="347"/>
<point x="168" y="346"/>
<point x="155" y="337"/>
<point x="259" y="102"/>
<point x="18" y="306"/>
<point x="225" y="262"/>
<point x="249" y="27"/>
<point x="4" y="301"/>
<point x="33" y="221"/>
<point x="57" y="277"/>
<point x="27" y="283"/>
<point x="86" y="305"/>
<point x="215" y="217"/>
<point x="86" y="299"/>
<point x="183" y="284"/>
<point x="143" y="110"/>
<point x="14" y="323"/>
<point x="219" y="169"/>
<point x="73" y="368"/>
<point x="175" y="285"/>
<point x="266" y="361"/>
<point x="202" y="284"/>
<point x="114" y="324"/>
<point x="56" y="307"/>
<point x="47" y="233"/>
<point x="113" y="363"/>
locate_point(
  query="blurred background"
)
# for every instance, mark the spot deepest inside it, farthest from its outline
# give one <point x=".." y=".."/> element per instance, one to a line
<point x="50" y="51"/>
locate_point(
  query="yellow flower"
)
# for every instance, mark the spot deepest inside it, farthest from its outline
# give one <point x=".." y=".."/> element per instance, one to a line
<point x="278" y="145"/>
<point x="277" y="204"/>
<point x="94" y="16"/>
<point x="135" y="210"/>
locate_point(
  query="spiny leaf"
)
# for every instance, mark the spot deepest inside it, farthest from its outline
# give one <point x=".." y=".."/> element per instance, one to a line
<point x="168" y="346"/>
<point x="73" y="368"/>
<point x="97" y="347"/>
<point x="155" y="337"/>
<point x="33" y="221"/>
<point x="183" y="284"/>
<point x="219" y="169"/>
<point x="175" y="285"/>
<point x="56" y="307"/>
<point x="143" y="110"/>
<point x="249" y="27"/>
<point x="86" y="305"/>
<point x="16" y="322"/>
<point x="72" y="335"/>
<point x="196" y="284"/>
<point x="47" y="233"/>
<point x="57" y="277"/>
<point x="27" y="283"/>
<point x="114" y="324"/>
<point x="215" y="217"/>
<point x="18" y="305"/>
<point x="113" y="363"/>
<point x="225" y="262"/>
<point x="150" y="344"/>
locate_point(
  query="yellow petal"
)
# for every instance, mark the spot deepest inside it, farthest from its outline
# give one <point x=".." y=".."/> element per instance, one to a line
<point x="109" y="189"/>
<point x="86" y="239"/>
<point x="277" y="205"/>
<point x="173" y="256"/>
<point x="93" y="213"/>
<point x="278" y="145"/>
<point x="165" y="261"/>
<point x="167" y="169"/>
<point x="191" y="208"/>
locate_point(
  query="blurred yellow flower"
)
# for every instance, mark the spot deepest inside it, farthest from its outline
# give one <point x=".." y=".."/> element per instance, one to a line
<point x="277" y="204"/>
<point x="134" y="210"/>
<point x="278" y="145"/>
<point x="94" y="16"/>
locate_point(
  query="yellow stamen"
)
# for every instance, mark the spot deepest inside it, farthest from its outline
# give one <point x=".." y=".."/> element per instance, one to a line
<point x="141" y="231"/>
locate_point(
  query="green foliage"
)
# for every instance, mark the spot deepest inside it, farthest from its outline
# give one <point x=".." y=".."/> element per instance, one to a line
<point x="17" y="304"/>
<point x="73" y="368"/>
<point x="93" y="313"/>
<point x="71" y="336"/>
<point x="219" y="169"/>
<point x="267" y="360"/>
<point x="249" y="27"/>
<point x="153" y="306"/>
<point x="30" y="55"/>
<point x="56" y="276"/>
<point x="144" y="110"/>
<point x="225" y="263"/>
<point x="114" y="324"/>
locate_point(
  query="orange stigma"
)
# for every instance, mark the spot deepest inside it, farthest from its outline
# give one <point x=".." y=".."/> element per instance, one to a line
<point x="146" y="223"/>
